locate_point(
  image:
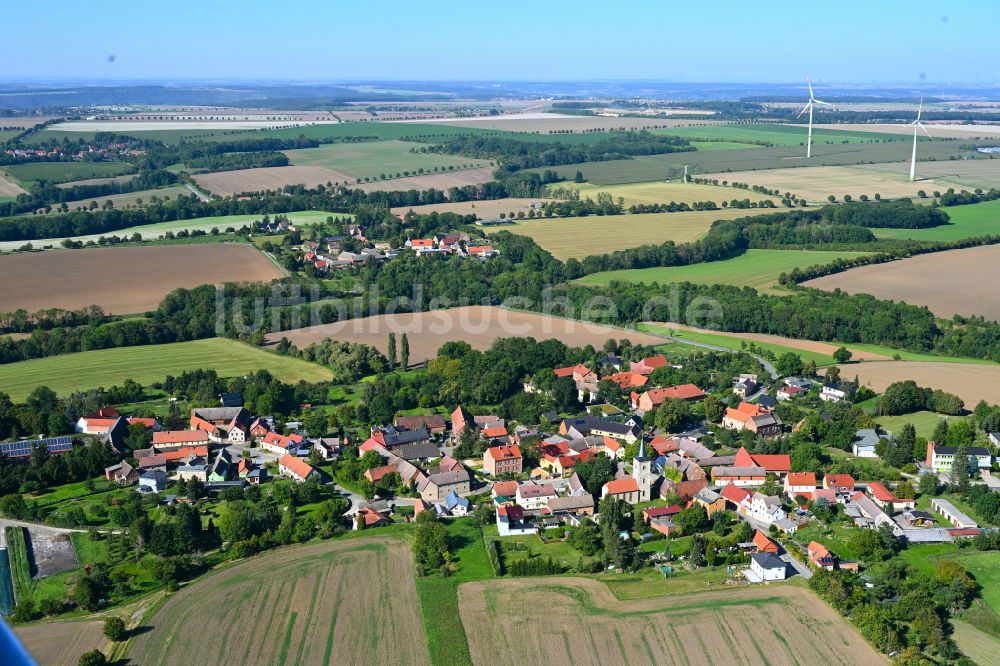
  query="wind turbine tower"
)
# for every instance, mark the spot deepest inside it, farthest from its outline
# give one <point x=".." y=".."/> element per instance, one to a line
<point x="809" y="107"/>
<point x="916" y="123"/>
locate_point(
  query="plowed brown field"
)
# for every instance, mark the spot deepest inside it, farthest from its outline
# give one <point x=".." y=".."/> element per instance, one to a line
<point x="61" y="643"/>
<point x="578" y="621"/>
<point x="228" y="183"/>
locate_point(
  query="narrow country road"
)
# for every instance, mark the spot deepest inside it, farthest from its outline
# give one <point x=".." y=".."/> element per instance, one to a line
<point x="768" y="367"/>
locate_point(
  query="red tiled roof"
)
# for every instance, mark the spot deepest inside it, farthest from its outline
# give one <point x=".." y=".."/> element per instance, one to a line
<point x="839" y="480"/>
<point x="511" y="511"/>
<point x="627" y="380"/>
<point x="661" y="511"/>
<point x="881" y="493"/>
<point x="505" y="489"/>
<point x="764" y="543"/>
<point x="622" y="486"/>
<point x="148" y="422"/>
<point x="296" y="466"/>
<point x="179" y="436"/>
<point x="771" y="463"/>
<point x="511" y="452"/>
<point x="735" y="494"/>
<point x="495" y="431"/>
<point x="183" y="452"/>
<point x="802" y="479"/>
<point x="571" y="370"/>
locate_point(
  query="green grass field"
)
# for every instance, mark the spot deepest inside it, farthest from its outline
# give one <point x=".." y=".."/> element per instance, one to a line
<point x="979" y="219"/>
<point x="734" y="343"/>
<point x="147" y="364"/>
<point x="61" y="172"/>
<point x="376" y="158"/>
<point x="720" y="145"/>
<point x="778" y="135"/>
<point x="755" y="268"/>
<point x="7" y="135"/>
<point x="924" y="422"/>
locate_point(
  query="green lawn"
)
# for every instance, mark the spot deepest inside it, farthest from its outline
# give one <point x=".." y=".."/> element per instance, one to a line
<point x="755" y="268"/>
<point x="147" y="364"/>
<point x="734" y="343"/>
<point x="985" y="567"/>
<point x="836" y="537"/>
<point x="924" y="422"/>
<point x="979" y="219"/>
<point x="376" y="158"/>
<point x="60" y="172"/>
<point x="651" y="583"/>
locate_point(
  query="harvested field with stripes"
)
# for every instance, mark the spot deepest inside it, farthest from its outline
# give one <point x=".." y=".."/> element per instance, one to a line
<point x="579" y="621"/>
<point x="228" y="183"/>
<point x="335" y="602"/>
<point x="60" y="643"/>
<point x="438" y="181"/>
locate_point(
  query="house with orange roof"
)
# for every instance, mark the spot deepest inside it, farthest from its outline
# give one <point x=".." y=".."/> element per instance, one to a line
<point x="482" y="251"/>
<point x="749" y="416"/>
<point x="764" y="544"/>
<point x="628" y="380"/>
<point x="277" y="443"/>
<point x="626" y="489"/>
<point x="613" y="448"/>
<point x="780" y="464"/>
<point x="800" y="483"/>
<point x="98" y="422"/>
<point x="842" y="483"/>
<point x="295" y="468"/>
<point x="367" y="518"/>
<point x="820" y="556"/>
<point x="504" y="459"/>
<point x="652" y="399"/>
<point x="179" y="438"/>
<point x="511" y="521"/>
<point x="886" y="499"/>
<point x="150" y="423"/>
<point x="647" y="365"/>
<point x="418" y="243"/>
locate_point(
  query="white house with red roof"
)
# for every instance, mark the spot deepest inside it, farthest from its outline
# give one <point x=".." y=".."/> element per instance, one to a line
<point x="98" y="422"/>
<point x="295" y="468"/>
<point x="800" y="483"/>
<point x="886" y="499"/>
<point x="511" y="521"/>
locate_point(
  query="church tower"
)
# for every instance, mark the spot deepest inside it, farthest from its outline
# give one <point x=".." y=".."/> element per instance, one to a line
<point x="642" y="472"/>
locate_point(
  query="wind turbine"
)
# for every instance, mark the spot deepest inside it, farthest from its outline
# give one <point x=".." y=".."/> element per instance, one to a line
<point x="809" y="107"/>
<point x="916" y="123"/>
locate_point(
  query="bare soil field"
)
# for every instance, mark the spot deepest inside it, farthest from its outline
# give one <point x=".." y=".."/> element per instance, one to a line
<point x="578" y="621"/>
<point x="971" y="382"/>
<point x="228" y="183"/>
<point x="804" y="345"/>
<point x="486" y="210"/>
<point x="547" y="122"/>
<point x="8" y="188"/>
<point x="942" y="174"/>
<point x="335" y="602"/>
<point x="61" y="642"/>
<point x="123" y="280"/>
<point x="439" y="181"/>
<point x="949" y="283"/>
<point x="814" y="184"/>
<point x="476" y="324"/>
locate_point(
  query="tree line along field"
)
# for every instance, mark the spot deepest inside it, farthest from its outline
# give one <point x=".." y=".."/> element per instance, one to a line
<point x="671" y="166"/>
<point x="948" y="283"/>
<point x="372" y="159"/>
<point x="150" y="363"/>
<point x="130" y="199"/>
<point x="759" y="269"/>
<point x="350" y="601"/>
<point x="662" y="192"/>
<point x="65" y="171"/>
<point x="124" y="280"/>
<point x="578" y="621"/>
<point x="154" y="231"/>
<point x="579" y="237"/>
<point x="979" y="219"/>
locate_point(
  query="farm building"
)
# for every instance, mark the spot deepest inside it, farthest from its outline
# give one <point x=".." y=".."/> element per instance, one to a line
<point x="952" y="514"/>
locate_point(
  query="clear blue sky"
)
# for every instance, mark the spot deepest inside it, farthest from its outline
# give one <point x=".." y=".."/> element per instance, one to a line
<point x="843" y="41"/>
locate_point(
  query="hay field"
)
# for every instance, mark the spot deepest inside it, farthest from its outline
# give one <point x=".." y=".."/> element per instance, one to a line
<point x="578" y="621"/>
<point x="665" y="192"/>
<point x="949" y="283"/>
<point x="487" y="209"/>
<point x="61" y="642"/>
<point x="229" y="183"/>
<point x="941" y="174"/>
<point x="580" y="237"/>
<point x="150" y="363"/>
<point x="376" y="158"/>
<point x="129" y="199"/>
<point x="335" y="602"/>
<point x="815" y="183"/>
<point x="123" y="280"/>
<point x="759" y="269"/>
<point x="476" y="324"/>
<point x="438" y="181"/>
<point x="9" y="188"/>
<point x="971" y="382"/>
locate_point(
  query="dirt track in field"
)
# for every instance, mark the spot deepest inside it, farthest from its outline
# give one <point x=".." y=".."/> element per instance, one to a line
<point x="804" y="345"/>
<point x="578" y="621"/>
<point x="123" y="280"/>
<point x="971" y="382"/>
<point x="61" y="643"/>
<point x="478" y="325"/>
<point x="334" y="602"/>
<point x="948" y="283"/>
<point x="438" y="181"/>
<point x="228" y="183"/>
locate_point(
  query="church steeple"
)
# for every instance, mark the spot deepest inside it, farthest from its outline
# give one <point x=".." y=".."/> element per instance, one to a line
<point x="642" y="451"/>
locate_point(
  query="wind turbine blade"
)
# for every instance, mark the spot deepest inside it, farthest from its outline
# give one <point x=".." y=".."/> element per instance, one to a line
<point x="804" y="109"/>
<point x="823" y="103"/>
<point x="809" y="83"/>
<point x="921" y="126"/>
<point x="920" y="109"/>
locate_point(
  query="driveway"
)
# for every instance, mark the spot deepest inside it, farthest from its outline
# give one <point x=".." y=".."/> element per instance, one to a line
<point x="799" y="567"/>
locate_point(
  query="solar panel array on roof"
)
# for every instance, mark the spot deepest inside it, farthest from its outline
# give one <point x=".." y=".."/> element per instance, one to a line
<point x="22" y="449"/>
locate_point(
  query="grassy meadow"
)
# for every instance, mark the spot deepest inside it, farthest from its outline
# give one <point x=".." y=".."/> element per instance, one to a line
<point x="147" y="364"/>
<point x="980" y="219"/>
<point x="755" y="268"/>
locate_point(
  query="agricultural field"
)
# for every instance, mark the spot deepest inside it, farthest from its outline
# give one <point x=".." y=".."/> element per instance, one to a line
<point x="578" y="621"/>
<point x="778" y="135"/>
<point x="229" y="183"/>
<point x="948" y="283"/>
<point x="97" y="181"/>
<point x="579" y="237"/>
<point x="938" y="131"/>
<point x="65" y="171"/>
<point x="663" y="192"/>
<point x="437" y="181"/>
<point x="554" y="122"/>
<point x="61" y="642"/>
<point x="815" y="184"/>
<point x="374" y="159"/>
<point x="9" y="188"/>
<point x="478" y="325"/>
<point x="485" y="210"/>
<point x="759" y="269"/>
<point x="971" y="382"/>
<point x="981" y="172"/>
<point x="671" y="165"/>
<point x="975" y="644"/>
<point x="322" y="603"/>
<point x="139" y="278"/>
<point x="980" y="219"/>
<point x="151" y="363"/>
<point x="129" y="200"/>
<point x="155" y="231"/>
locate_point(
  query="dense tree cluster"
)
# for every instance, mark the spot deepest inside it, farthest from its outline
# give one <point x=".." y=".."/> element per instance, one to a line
<point x="906" y="397"/>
